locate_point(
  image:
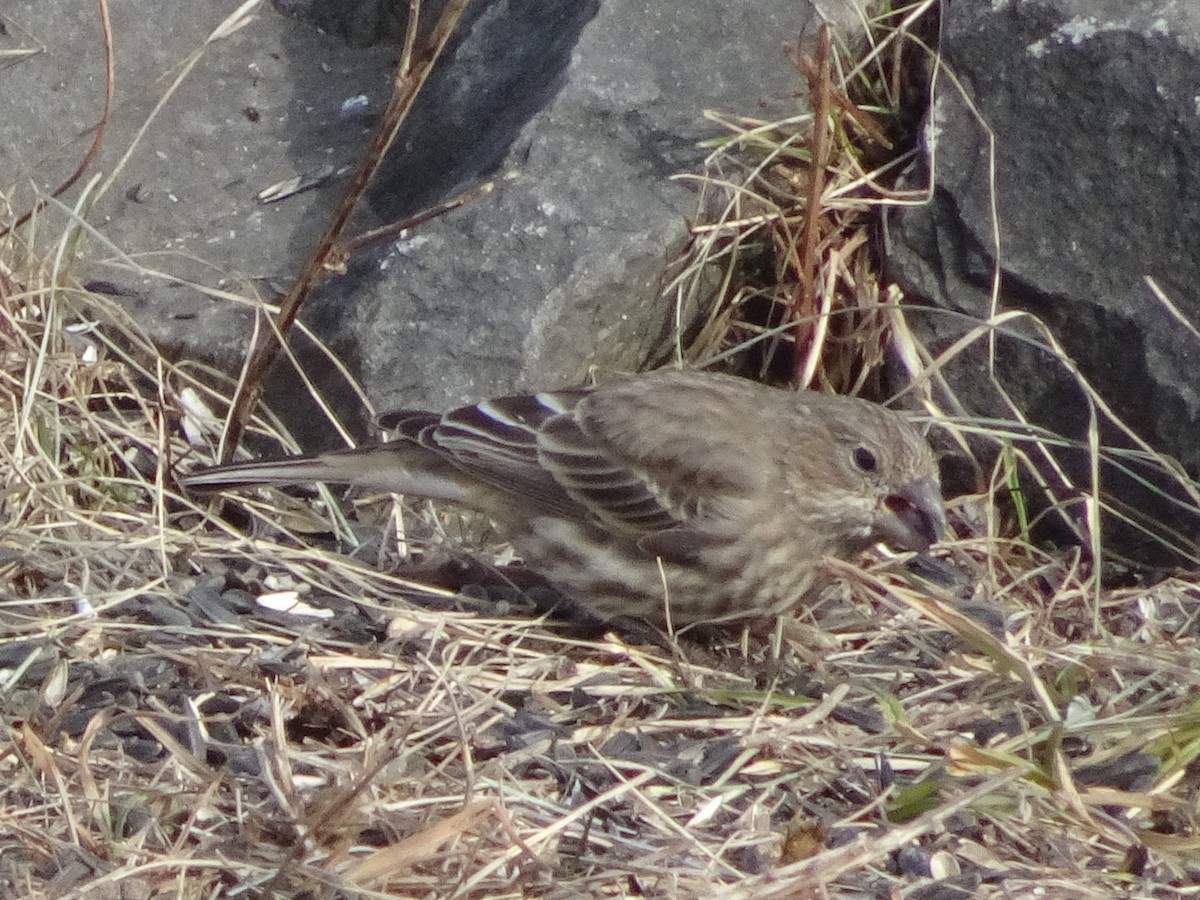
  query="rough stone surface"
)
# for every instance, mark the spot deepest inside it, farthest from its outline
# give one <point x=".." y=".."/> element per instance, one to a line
<point x="259" y="107"/>
<point x="580" y="112"/>
<point x="1094" y="109"/>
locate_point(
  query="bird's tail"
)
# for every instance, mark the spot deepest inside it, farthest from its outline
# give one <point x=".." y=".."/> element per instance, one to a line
<point x="400" y="467"/>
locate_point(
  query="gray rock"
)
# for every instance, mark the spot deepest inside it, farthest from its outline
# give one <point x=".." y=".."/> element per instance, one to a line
<point x="1097" y="180"/>
<point x="580" y="113"/>
<point x="261" y="106"/>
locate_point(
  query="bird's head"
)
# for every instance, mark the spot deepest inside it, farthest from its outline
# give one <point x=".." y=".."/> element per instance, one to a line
<point x="887" y="479"/>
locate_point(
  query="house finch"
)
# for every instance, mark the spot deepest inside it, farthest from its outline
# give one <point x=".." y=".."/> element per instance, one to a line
<point x="687" y="497"/>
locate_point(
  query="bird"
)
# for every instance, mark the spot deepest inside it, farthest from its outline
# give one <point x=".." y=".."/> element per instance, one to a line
<point x="677" y="497"/>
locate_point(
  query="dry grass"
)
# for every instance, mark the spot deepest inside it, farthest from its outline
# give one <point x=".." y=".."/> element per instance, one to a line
<point x="1001" y="726"/>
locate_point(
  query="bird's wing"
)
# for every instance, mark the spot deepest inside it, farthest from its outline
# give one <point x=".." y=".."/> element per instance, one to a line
<point x="608" y="486"/>
<point x="661" y="458"/>
<point x="646" y="463"/>
<point x="496" y="442"/>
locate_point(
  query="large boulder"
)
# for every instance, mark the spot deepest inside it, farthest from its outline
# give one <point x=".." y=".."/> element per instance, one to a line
<point x="1078" y="120"/>
<point x="580" y="112"/>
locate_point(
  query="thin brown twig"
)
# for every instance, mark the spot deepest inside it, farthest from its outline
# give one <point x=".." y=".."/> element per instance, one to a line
<point x="349" y="247"/>
<point x="408" y="82"/>
<point x="818" y="75"/>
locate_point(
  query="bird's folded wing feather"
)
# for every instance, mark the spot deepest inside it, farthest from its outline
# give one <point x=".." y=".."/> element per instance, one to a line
<point x="685" y="469"/>
<point x="567" y="454"/>
<point x="613" y="489"/>
<point x="496" y="442"/>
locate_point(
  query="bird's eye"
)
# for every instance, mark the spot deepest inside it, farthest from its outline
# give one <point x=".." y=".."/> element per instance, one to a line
<point x="865" y="459"/>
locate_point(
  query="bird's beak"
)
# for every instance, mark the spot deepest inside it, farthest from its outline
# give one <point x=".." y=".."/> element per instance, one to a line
<point x="914" y="517"/>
